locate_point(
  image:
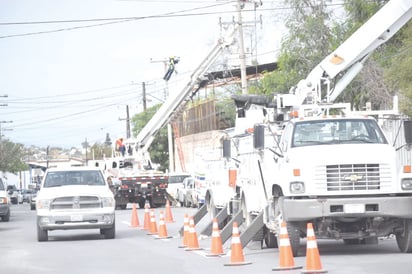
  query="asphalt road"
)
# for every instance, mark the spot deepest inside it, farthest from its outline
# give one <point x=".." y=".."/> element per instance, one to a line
<point x="134" y="251"/>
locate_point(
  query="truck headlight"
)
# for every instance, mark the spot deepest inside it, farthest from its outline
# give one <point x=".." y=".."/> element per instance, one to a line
<point x="108" y="202"/>
<point x="43" y="203"/>
<point x="297" y="187"/>
<point x="406" y="184"/>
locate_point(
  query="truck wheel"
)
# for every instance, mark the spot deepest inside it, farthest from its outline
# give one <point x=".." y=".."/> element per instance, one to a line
<point x="247" y="217"/>
<point x="294" y="237"/>
<point x="186" y="202"/>
<point x="109" y="233"/>
<point x="42" y="235"/>
<point x="6" y="217"/>
<point x="142" y="203"/>
<point x="270" y="239"/>
<point x="404" y="238"/>
<point x="211" y="208"/>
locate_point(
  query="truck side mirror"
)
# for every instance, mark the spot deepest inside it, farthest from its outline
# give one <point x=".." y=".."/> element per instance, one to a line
<point x="408" y="131"/>
<point x="259" y="137"/>
<point x="226" y="149"/>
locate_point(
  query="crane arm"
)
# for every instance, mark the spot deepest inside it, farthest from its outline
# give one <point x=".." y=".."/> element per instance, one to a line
<point x="350" y="56"/>
<point x="177" y="101"/>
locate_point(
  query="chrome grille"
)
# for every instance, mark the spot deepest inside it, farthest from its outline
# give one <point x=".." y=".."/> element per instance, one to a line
<point x="76" y="202"/>
<point x="351" y="177"/>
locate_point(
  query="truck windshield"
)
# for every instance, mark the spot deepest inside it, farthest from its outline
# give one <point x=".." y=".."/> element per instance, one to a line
<point x="337" y="131"/>
<point x="65" y="178"/>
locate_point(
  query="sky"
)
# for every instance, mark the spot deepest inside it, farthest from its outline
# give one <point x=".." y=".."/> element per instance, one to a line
<point x="69" y="68"/>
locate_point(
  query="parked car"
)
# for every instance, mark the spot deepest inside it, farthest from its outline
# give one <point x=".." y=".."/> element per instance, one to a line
<point x="75" y="198"/>
<point x="186" y="193"/>
<point x="4" y="202"/>
<point x="32" y="201"/>
<point x="26" y="194"/>
<point x="15" y="194"/>
<point x="175" y="182"/>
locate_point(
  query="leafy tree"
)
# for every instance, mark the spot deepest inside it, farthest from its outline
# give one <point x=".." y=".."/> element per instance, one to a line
<point x="302" y="49"/>
<point x="10" y="157"/>
<point x="99" y="150"/>
<point x="158" y="150"/>
<point x="312" y="35"/>
<point x="399" y="73"/>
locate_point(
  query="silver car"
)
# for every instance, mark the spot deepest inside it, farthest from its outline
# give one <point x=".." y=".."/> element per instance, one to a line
<point x="4" y="202"/>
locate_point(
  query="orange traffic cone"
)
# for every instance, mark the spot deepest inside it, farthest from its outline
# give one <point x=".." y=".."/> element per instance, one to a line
<point x="193" y="242"/>
<point x="286" y="260"/>
<point x="135" y="218"/>
<point x="153" y="225"/>
<point x="162" y="228"/>
<point x="146" y="223"/>
<point x="169" y="215"/>
<point x="185" y="242"/>
<point x="216" y="245"/>
<point x="236" y="255"/>
<point x="313" y="263"/>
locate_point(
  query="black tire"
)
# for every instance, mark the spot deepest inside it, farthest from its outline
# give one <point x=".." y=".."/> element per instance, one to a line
<point x="42" y="235"/>
<point x="351" y="241"/>
<point x="404" y="238"/>
<point x="270" y="239"/>
<point x="294" y="238"/>
<point x="142" y="203"/>
<point x="211" y="208"/>
<point x="185" y="202"/>
<point x="109" y="233"/>
<point x="6" y="217"/>
<point x="32" y="207"/>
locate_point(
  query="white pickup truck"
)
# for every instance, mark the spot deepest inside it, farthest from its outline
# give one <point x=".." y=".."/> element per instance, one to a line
<point x="75" y="198"/>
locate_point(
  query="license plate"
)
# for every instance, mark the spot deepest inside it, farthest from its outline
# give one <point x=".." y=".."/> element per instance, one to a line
<point x="354" y="208"/>
<point x="76" y="218"/>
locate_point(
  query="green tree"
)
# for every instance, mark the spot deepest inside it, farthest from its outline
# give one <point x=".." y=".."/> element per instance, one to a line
<point x="11" y="155"/>
<point x="302" y="49"/>
<point x="313" y="34"/>
<point x="158" y="150"/>
<point x="399" y="73"/>
<point x="98" y="150"/>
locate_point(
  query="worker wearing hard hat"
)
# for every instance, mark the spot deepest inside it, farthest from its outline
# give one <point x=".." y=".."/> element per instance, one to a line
<point x="120" y="146"/>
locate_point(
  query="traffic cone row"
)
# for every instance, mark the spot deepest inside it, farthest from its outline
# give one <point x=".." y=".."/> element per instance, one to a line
<point x="190" y="241"/>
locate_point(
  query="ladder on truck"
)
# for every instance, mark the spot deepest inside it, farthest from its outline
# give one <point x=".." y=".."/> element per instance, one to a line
<point x="179" y="146"/>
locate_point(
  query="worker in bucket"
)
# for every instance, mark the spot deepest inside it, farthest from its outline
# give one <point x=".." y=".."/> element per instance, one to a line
<point x="120" y="146"/>
<point x="172" y="63"/>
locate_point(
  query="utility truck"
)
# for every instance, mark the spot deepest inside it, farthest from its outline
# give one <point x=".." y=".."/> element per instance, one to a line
<point x="301" y="158"/>
<point x="137" y="181"/>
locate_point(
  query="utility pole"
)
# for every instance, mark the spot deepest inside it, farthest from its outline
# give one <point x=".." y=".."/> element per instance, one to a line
<point x="144" y="96"/>
<point x="127" y="122"/>
<point x="242" y="55"/>
<point x="127" y="119"/>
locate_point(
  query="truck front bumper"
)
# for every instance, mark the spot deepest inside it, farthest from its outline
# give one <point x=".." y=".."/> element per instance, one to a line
<point x="76" y="220"/>
<point x="306" y="209"/>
